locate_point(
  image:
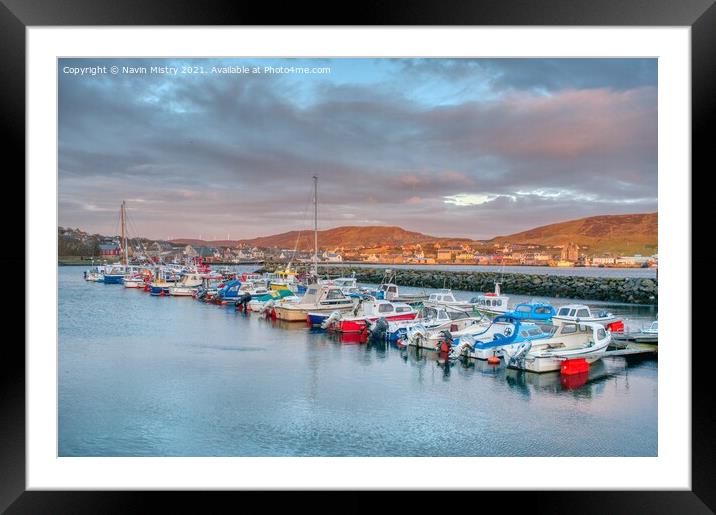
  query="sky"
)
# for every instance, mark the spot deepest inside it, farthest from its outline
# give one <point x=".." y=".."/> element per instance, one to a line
<point x="448" y="147"/>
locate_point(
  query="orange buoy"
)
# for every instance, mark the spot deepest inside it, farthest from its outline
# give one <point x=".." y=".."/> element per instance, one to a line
<point x="493" y="360"/>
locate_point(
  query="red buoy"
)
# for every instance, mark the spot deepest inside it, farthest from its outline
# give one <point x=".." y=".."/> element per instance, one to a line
<point x="574" y="366"/>
<point x="493" y="360"/>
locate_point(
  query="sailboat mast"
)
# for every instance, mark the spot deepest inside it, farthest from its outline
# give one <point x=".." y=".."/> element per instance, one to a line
<point x="124" y="234"/>
<point x="315" y="225"/>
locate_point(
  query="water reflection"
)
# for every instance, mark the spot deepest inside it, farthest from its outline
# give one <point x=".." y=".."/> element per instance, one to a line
<point x="192" y="379"/>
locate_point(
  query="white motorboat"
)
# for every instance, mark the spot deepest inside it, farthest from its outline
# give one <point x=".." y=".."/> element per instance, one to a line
<point x="446" y="298"/>
<point x="584" y="340"/>
<point x="429" y="317"/>
<point x="504" y="331"/>
<point x="187" y="285"/>
<point x="580" y="313"/>
<point x="366" y="312"/>
<point x="95" y="274"/>
<point x="317" y="299"/>
<point x="493" y="303"/>
<point x="422" y="337"/>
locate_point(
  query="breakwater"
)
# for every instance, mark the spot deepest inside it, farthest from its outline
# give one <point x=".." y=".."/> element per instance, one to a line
<point x="632" y="290"/>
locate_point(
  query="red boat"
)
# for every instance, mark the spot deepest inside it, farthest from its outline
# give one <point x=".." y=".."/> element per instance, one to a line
<point x="356" y="321"/>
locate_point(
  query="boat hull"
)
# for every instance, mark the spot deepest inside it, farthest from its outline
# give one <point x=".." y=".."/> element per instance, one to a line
<point x="296" y="314"/>
<point x="182" y="291"/>
<point x="359" y="325"/>
<point x="113" y="279"/>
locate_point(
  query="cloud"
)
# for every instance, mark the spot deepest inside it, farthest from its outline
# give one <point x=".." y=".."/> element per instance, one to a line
<point x="414" y="143"/>
<point x="474" y="199"/>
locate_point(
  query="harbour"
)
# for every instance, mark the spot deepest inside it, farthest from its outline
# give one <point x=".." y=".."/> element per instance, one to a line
<point x="188" y="378"/>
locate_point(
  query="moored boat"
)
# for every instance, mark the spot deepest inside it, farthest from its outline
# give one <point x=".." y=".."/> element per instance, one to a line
<point x="445" y="297"/>
<point x="581" y="313"/>
<point x="504" y="331"/>
<point x="493" y="303"/>
<point x="365" y="311"/>
<point x="187" y="285"/>
<point x="586" y="341"/>
<point x="95" y="274"/>
<point x="318" y="298"/>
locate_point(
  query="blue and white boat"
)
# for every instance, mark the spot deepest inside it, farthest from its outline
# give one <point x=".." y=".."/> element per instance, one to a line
<point x="229" y="293"/>
<point x="114" y="274"/>
<point x="568" y="341"/>
<point x="430" y="318"/>
<point x="504" y="331"/>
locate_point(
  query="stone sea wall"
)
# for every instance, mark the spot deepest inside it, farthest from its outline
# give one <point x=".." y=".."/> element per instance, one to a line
<point x="627" y="290"/>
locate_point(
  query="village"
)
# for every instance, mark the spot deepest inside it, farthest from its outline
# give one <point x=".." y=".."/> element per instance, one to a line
<point x="566" y="255"/>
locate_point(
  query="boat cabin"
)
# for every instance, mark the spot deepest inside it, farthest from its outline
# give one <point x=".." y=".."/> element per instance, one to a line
<point x="581" y="312"/>
<point x="382" y="308"/>
<point x="190" y="280"/>
<point x="387" y="291"/>
<point x="442" y="297"/>
<point x="530" y="311"/>
<point x="325" y="295"/>
<point x="443" y="315"/>
<point x="230" y="290"/>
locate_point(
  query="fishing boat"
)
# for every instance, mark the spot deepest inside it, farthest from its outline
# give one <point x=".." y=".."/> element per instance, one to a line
<point x="365" y="311"/>
<point x="581" y="313"/>
<point x="95" y="274"/>
<point x="164" y="279"/>
<point x="586" y="341"/>
<point x="533" y="311"/>
<point x="114" y="274"/>
<point x="317" y="299"/>
<point x="208" y="289"/>
<point x="286" y="279"/>
<point x="266" y="301"/>
<point x="187" y="285"/>
<point x="493" y="303"/>
<point x="348" y="285"/>
<point x="445" y="297"/>
<point x="432" y="338"/>
<point x="504" y="331"/>
<point x="428" y="318"/>
<point x="391" y="291"/>
<point x="134" y="281"/>
<point x="228" y="293"/>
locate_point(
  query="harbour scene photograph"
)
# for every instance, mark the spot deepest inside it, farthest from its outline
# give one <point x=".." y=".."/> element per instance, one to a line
<point x="357" y="257"/>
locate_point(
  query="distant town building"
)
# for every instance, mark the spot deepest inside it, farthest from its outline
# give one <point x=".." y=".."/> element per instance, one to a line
<point x="332" y="257"/>
<point x="109" y="249"/>
<point x="570" y="252"/>
<point x="635" y="260"/>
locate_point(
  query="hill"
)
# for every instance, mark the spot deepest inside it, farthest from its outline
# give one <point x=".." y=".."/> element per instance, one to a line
<point x="346" y="236"/>
<point x="620" y="234"/>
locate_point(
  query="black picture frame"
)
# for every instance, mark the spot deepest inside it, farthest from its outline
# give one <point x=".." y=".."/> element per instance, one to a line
<point x="16" y="15"/>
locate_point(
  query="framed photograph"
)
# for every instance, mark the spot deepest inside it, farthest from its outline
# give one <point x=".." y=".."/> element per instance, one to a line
<point x="416" y="252"/>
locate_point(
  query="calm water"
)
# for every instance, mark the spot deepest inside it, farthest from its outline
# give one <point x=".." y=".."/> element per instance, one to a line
<point x="151" y="376"/>
<point x="578" y="271"/>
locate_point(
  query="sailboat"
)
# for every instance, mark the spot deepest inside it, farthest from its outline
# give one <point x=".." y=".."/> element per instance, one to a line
<point x="115" y="274"/>
<point x="318" y="298"/>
